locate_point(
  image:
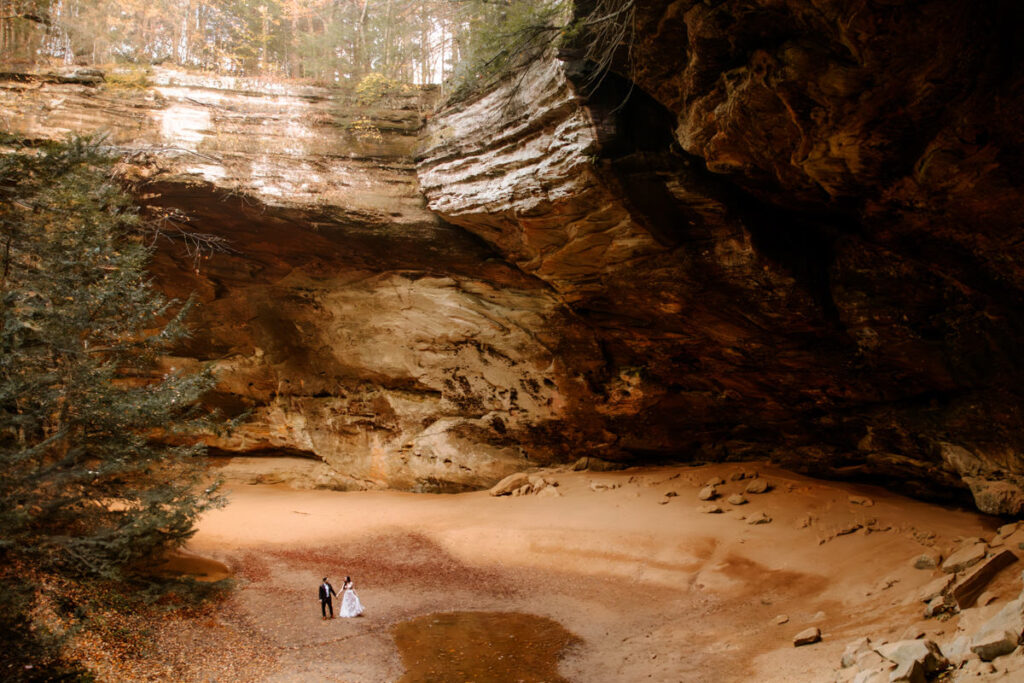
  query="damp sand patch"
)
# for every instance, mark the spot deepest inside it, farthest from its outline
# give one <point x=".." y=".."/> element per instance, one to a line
<point x="482" y="646"/>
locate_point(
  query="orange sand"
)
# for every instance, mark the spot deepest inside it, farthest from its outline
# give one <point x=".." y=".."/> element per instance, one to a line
<point x="655" y="591"/>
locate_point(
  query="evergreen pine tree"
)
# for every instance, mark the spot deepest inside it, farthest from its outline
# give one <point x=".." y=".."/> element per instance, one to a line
<point x="90" y="481"/>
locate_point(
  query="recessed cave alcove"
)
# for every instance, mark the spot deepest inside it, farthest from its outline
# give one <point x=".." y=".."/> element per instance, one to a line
<point x="699" y="322"/>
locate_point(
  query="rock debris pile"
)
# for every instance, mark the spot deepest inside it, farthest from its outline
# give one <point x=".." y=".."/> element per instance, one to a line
<point x="980" y="641"/>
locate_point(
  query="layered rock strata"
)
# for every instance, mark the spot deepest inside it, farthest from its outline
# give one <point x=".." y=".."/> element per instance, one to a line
<point x="798" y="237"/>
<point x="805" y="243"/>
<point x="350" y="324"/>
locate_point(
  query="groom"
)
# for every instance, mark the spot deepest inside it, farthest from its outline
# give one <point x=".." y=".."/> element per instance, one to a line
<point x="326" y="591"/>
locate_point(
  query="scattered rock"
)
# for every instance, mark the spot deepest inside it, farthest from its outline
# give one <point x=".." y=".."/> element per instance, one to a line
<point x="927" y="561"/>
<point x="603" y="486"/>
<point x="805" y="522"/>
<point x="742" y="474"/>
<point x="708" y="493"/>
<point x="540" y="482"/>
<point x="974" y="667"/>
<point x="737" y="499"/>
<point x="924" y="652"/>
<point x="1010" y="619"/>
<point x="996" y="497"/>
<point x="957" y="651"/>
<point x="509" y="484"/>
<point x="711" y="508"/>
<point x="758" y="485"/>
<point x="908" y="672"/>
<point x="1003" y="533"/>
<point x="991" y="644"/>
<point x="781" y="619"/>
<point x="848" y="528"/>
<point x="807" y="636"/>
<point x="759" y="518"/>
<point x="854" y="650"/>
<point x="1007" y="529"/>
<point x="965" y="557"/>
<point x="935" y="588"/>
<point x="967" y="589"/>
<point x="861" y="500"/>
<point x="936" y="606"/>
<point x="597" y="465"/>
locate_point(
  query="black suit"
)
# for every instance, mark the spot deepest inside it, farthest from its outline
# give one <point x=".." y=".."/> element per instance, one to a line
<point x="326" y="591"/>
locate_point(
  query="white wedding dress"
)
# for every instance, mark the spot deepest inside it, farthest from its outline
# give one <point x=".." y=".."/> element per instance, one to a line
<point x="350" y="605"/>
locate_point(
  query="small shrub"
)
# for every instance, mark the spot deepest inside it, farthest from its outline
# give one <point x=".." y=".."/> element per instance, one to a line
<point x="364" y="131"/>
<point x="375" y="87"/>
<point x="132" y="79"/>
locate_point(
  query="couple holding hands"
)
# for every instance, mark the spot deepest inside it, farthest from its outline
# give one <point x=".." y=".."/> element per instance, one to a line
<point x="350" y="605"/>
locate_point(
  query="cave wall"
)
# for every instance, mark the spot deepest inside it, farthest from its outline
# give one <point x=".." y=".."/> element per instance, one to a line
<point x="347" y="321"/>
<point x="798" y="237"/>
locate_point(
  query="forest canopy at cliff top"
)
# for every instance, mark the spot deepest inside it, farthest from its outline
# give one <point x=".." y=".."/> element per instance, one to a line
<point x="414" y="41"/>
<point x="458" y="42"/>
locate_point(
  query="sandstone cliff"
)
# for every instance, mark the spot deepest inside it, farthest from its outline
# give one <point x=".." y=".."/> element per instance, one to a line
<point x="799" y="237"/>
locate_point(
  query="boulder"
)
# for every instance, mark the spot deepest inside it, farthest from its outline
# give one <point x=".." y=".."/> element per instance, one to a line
<point x="854" y="650"/>
<point x="991" y="644"/>
<point x="510" y="483"/>
<point x="967" y="556"/>
<point x="967" y="589"/>
<point x="710" y="508"/>
<point x="861" y="500"/>
<point x="758" y="485"/>
<point x="936" y="606"/>
<point x="935" y="588"/>
<point x="549" y="492"/>
<point x="708" y="493"/>
<point x="924" y="652"/>
<point x="1010" y="619"/>
<point x="807" y="636"/>
<point x="996" y="497"/>
<point x="928" y="560"/>
<point x="910" y="671"/>
<point x="958" y="650"/>
<point x="737" y="499"/>
<point x="782" y="619"/>
<point x="759" y="518"/>
<point x="714" y="481"/>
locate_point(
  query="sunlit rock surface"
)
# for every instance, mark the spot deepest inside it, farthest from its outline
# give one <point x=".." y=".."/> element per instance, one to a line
<point x="798" y="238"/>
<point x="354" y="326"/>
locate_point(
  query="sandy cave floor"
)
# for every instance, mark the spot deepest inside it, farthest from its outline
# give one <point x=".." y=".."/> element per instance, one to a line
<point x="654" y="590"/>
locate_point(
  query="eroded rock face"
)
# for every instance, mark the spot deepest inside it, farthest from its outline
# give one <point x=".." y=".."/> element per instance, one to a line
<point x="817" y="255"/>
<point x="356" y="327"/>
<point x="800" y="238"/>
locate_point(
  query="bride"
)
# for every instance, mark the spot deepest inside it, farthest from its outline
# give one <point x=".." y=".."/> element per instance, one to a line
<point x="350" y="605"/>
